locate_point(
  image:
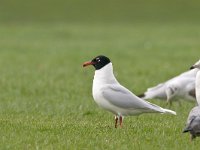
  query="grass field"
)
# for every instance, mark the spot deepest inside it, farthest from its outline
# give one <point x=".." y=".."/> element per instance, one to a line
<point x="45" y="94"/>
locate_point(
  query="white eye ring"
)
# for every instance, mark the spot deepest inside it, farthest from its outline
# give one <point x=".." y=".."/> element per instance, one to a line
<point x="98" y="60"/>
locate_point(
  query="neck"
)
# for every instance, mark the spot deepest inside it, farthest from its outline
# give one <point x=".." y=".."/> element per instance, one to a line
<point x="105" y="75"/>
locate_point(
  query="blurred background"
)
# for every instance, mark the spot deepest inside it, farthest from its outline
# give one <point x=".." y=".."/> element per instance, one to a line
<point x="88" y="11"/>
<point x="66" y="30"/>
<point x="43" y="44"/>
<point x="44" y="91"/>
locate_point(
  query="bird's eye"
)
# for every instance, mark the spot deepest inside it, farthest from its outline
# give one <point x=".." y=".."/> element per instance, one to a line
<point x="98" y="60"/>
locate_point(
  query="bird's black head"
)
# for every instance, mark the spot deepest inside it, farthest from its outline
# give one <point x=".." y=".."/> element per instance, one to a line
<point x="98" y="62"/>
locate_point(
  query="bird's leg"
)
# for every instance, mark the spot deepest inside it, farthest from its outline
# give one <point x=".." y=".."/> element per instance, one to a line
<point x="169" y="96"/>
<point x="168" y="103"/>
<point x="120" y="121"/>
<point x="170" y="92"/>
<point x="116" y="121"/>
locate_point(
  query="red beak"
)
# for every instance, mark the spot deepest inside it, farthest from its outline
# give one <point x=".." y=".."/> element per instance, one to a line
<point x="88" y="63"/>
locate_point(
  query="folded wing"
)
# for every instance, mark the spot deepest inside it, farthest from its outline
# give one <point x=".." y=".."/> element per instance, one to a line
<point x="123" y="98"/>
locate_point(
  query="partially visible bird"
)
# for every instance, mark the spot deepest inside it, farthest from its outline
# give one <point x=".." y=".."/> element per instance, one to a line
<point x="113" y="97"/>
<point x="197" y="81"/>
<point x="179" y="87"/>
<point x="193" y="121"/>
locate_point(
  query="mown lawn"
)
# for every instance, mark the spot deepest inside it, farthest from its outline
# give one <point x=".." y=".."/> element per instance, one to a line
<point x="45" y="94"/>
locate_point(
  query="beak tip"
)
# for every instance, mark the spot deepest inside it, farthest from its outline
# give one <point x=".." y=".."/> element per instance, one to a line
<point x="87" y="64"/>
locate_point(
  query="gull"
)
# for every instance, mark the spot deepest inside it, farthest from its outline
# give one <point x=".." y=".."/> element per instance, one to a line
<point x="179" y="87"/>
<point x="110" y="95"/>
<point x="193" y="121"/>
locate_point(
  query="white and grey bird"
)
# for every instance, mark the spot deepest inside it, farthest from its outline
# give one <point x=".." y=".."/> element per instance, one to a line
<point x="179" y="87"/>
<point x="193" y="121"/>
<point x="197" y="81"/>
<point x="113" y="97"/>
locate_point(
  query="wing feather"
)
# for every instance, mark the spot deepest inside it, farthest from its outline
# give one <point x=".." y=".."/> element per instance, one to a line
<point x="122" y="97"/>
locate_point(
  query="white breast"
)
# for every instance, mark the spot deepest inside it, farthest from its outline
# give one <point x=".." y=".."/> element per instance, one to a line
<point x="103" y="77"/>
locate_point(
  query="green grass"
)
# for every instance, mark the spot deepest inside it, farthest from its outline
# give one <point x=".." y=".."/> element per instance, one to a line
<point x="100" y="11"/>
<point x="45" y="94"/>
<point x="46" y="101"/>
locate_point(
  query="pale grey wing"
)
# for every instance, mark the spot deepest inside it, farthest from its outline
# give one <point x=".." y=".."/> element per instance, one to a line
<point x="155" y="87"/>
<point x="193" y="113"/>
<point x="195" y="120"/>
<point x="195" y="125"/>
<point x="122" y="97"/>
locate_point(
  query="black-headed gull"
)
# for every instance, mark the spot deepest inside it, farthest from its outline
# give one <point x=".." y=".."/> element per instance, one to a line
<point x="193" y="121"/>
<point x="179" y="87"/>
<point x="113" y="97"/>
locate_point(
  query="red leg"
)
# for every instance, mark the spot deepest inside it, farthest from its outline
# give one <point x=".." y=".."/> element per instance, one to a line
<point x="116" y="120"/>
<point x="120" y="121"/>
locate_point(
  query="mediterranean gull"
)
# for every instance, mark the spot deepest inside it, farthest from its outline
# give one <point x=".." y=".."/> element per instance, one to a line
<point x="111" y="96"/>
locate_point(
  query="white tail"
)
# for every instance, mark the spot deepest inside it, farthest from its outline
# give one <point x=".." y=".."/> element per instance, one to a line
<point x="169" y="111"/>
<point x="161" y="110"/>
